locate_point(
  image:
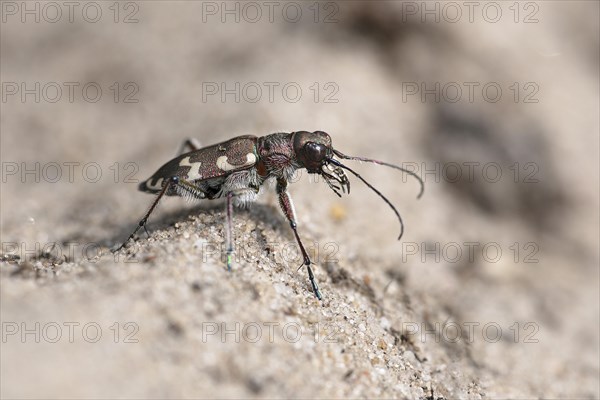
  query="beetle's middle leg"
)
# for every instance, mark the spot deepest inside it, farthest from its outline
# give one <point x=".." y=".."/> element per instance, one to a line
<point x="229" y="228"/>
<point x="285" y="201"/>
<point x="229" y="233"/>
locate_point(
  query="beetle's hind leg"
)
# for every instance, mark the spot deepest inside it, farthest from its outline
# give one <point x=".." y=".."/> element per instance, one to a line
<point x="184" y="188"/>
<point x="144" y="220"/>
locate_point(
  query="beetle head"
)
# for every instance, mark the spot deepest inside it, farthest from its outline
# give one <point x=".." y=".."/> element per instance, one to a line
<point x="315" y="153"/>
<point x="312" y="149"/>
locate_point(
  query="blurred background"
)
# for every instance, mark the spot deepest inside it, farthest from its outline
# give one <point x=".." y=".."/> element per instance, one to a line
<point x="494" y="104"/>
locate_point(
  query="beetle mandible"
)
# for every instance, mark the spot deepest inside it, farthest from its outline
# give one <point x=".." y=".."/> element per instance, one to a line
<point x="237" y="168"/>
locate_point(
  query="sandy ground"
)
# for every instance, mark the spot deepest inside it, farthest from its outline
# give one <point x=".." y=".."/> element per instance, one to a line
<point x="492" y="292"/>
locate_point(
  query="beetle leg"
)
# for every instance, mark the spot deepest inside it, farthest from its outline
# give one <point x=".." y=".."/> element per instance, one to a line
<point x="189" y="144"/>
<point x="287" y="206"/>
<point x="229" y="229"/>
<point x="173" y="181"/>
<point x="192" y="189"/>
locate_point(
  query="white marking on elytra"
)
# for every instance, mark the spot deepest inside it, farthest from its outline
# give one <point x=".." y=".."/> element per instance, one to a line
<point x="154" y="186"/>
<point x="194" y="172"/>
<point x="224" y="165"/>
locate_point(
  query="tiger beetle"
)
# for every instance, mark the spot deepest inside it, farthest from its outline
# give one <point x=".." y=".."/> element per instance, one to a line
<point x="237" y="168"/>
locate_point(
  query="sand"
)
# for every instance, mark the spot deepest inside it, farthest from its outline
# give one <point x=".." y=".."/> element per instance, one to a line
<point x="491" y="293"/>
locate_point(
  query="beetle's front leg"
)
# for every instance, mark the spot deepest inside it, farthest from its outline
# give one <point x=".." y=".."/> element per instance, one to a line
<point x="285" y="201"/>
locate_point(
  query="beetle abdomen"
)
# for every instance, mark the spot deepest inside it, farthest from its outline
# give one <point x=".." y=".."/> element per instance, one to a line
<point x="216" y="161"/>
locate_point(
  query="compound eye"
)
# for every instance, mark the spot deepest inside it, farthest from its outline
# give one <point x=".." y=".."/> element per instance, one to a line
<point x="315" y="151"/>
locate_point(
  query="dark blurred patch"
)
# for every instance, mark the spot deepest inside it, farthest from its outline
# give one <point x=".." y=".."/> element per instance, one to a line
<point x="379" y="23"/>
<point x="196" y="286"/>
<point x="175" y="328"/>
<point x="254" y="385"/>
<point x="536" y="195"/>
